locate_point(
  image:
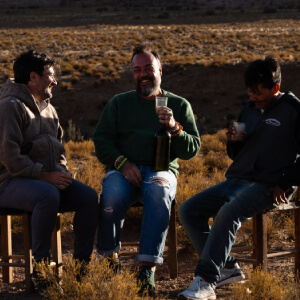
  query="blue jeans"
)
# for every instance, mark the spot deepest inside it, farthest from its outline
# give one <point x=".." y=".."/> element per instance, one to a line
<point x="116" y="198"/>
<point x="230" y="203"/>
<point x="44" y="200"/>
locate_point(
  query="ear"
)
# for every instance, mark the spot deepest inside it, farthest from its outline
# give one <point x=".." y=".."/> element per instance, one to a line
<point x="276" y="88"/>
<point x="32" y="76"/>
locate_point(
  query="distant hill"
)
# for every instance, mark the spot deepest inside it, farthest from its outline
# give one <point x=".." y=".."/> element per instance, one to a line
<point x="220" y="4"/>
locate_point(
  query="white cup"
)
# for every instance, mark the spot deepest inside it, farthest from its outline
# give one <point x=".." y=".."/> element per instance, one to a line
<point x="240" y="129"/>
<point x="161" y="101"/>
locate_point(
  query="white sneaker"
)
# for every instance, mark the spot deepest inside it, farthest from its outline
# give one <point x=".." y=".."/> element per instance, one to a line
<point x="227" y="276"/>
<point x="199" y="289"/>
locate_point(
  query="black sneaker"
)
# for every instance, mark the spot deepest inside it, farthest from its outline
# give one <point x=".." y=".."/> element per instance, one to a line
<point x="230" y="275"/>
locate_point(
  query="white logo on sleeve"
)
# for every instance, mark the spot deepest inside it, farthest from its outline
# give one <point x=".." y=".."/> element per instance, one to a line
<point x="273" y="122"/>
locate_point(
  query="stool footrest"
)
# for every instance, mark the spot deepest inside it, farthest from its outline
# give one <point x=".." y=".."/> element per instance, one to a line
<point x="260" y="253"/>
<point x="7" y="258"/>
<point x="11" y="264"/>
<point x="282" y="253"/>
<point x="242" y="248"/>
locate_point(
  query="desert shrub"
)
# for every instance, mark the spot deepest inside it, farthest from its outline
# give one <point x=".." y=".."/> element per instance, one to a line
<point x="262" y="285"/>
<point x="244" y="234"/>
<point x="216" y="161"/>
<point x="84" y="149"/>
<point x="66" y="222"/>
<point x="66" y="85"/>
<point x="66" y="68"/>
<point x="215" y="143"/>
<point x="75" y="77"/>
<point x="289" y="225"/>
<point x="17" y="224"/>
<point x="99" y="282"/>
<point x="73" y="133"/>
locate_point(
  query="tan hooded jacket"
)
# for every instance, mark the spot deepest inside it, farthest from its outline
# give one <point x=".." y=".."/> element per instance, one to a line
<point x="30" y="140"/>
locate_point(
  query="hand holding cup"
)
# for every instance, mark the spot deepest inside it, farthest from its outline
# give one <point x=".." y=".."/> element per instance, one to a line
<point x="236" y="132"/>
<point x="165" y="114"/>
<point x="240" y="130"/>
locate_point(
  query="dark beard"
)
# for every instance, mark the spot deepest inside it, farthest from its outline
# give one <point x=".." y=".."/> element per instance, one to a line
<point x="45" y="94"/>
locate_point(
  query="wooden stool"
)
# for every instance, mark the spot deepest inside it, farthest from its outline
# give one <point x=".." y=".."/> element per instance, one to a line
<point x="6" y="243"/>
<point x="171" y="242"/>
<point x="260" y="253"/>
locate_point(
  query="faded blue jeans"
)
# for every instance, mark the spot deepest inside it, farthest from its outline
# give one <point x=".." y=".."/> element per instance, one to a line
<point x="44" y="200"/>
<point x="116" y="198"/>
<point x="230" y="203"/>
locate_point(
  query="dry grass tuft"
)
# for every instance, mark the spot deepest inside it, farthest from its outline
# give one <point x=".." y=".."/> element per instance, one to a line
<point x="103" y="51"/>
<point x="99" y="282"/>
<point x="262" y="285"/>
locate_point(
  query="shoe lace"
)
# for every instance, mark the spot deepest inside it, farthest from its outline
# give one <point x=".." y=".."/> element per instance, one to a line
<point x="147" y="273"/>
<point x="198" y="284"/>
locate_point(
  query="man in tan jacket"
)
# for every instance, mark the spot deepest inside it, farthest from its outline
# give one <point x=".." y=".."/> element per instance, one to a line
<point x="33" y="171"/>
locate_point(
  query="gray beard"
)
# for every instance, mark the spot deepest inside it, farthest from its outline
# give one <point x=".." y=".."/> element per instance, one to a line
<point x="148" y="91"/>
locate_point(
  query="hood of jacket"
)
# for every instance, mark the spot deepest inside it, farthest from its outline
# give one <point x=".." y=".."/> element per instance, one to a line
<point x="20" y="91"/>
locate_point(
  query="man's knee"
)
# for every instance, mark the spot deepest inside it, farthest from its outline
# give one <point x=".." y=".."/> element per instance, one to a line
<point x="110" y="204"/>
<point x="49" y="196"/>
<point x="158" y="194"/>
<point x="92" y="197"/>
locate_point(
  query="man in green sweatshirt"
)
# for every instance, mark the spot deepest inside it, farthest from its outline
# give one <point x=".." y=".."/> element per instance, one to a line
<point x="124" y="143"/>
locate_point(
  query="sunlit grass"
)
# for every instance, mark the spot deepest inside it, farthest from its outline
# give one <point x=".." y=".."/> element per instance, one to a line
<point x="103" y="51"/>
<point x="98" y="282"/>
<point x="262" y="285"/>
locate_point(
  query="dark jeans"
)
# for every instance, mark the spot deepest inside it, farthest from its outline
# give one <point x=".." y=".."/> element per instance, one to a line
<point x="230" y="203"/>
<point x="44" y="200"/>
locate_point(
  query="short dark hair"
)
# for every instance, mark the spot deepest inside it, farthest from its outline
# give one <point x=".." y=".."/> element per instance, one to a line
<point x="144" y="48"/>
<point x="263" y="71"/>
<point x="31" y="61"/>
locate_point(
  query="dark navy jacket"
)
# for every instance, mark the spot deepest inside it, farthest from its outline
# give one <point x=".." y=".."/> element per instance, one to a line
<point x="270" y="149"/>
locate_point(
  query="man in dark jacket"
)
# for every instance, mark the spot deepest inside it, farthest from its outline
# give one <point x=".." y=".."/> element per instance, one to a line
<point x="264" y="170"/>
<point x="33" y="171"/>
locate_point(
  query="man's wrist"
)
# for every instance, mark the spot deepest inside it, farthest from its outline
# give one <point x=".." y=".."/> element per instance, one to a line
<point x="174" y="131"/>
<point x="119" y="162"/>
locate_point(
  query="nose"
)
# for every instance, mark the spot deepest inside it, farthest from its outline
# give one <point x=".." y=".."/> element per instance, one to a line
<point x="54" y="82"/>
<point x="143" y="72"/>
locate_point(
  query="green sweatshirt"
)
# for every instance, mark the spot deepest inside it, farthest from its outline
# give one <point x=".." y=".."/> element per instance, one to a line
<point x="128" y="124"/>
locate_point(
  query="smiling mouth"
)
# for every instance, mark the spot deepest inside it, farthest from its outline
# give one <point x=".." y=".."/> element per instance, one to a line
<point x="145" y="80"/>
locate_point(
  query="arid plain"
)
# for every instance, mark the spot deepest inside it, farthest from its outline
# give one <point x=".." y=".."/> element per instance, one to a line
<point x="204" y="51"/>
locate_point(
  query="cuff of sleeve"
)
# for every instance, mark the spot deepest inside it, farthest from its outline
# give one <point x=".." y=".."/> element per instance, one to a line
<point x="181" y="133"/>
